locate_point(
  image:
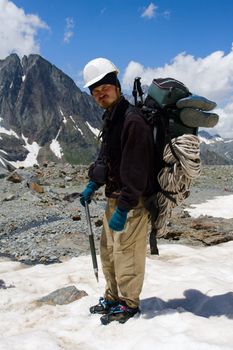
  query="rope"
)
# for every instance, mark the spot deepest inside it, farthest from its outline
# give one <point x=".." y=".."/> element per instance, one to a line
<point x="177" y="178"/>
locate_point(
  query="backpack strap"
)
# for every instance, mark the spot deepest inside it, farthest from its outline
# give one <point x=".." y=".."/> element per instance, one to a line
<point x="165" y="122"/>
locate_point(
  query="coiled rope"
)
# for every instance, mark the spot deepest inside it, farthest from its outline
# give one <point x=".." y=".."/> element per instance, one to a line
<point x="183" y="166"/>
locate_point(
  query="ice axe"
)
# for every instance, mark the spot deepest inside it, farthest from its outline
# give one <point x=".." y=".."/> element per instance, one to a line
<point x="92" y="242"/>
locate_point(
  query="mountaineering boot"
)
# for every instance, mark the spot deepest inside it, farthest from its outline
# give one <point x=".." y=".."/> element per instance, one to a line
<point x="103" y="307"/>
<point x="121" y="313"/>
<point x="196" y="118"/>
<point x="197" y="102"/>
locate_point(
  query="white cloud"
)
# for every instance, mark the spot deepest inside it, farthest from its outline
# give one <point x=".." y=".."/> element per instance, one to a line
<point x="149" y="12"/>
<point x="225" y="124"/>
<point x="69" y="33"/>
<point x="211" y="76"/>
<point x="18" y="30"/>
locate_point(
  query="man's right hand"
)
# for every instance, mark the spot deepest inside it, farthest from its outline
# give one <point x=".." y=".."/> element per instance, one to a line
<point x="86" y="195"/>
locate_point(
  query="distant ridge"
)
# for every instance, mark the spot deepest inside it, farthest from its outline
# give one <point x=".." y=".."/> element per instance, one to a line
<point x="44" y="116"/>
<point x="215" y="150"/>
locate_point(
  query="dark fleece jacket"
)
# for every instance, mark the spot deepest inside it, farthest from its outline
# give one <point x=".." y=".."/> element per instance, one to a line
<point x="129" y="149"/>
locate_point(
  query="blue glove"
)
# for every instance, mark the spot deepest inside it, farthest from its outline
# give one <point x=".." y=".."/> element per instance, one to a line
<point x="118" y="220"/>
<point x="85" y="196"/>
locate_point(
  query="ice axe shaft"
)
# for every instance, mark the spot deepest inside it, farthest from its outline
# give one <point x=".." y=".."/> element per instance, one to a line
<point x="92" y="242"/>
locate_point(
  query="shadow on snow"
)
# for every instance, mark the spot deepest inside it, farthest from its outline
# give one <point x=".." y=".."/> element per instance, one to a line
<point x="194" y="301"/>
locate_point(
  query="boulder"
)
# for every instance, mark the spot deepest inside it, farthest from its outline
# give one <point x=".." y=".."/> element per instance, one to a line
<point x="62" y="296"/>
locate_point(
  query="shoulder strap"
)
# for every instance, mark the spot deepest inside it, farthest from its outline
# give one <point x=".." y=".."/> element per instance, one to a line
<point x="137" y="110"/>
<point x="165" y="122"/>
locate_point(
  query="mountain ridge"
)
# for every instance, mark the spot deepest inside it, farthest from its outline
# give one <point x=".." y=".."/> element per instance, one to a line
<point x="215" y="150"/>
<point x="40" y="103"/>
<point x="44" y="116"/>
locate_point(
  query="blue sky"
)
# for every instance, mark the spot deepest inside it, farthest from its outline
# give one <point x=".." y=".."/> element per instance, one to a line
<point x="116" y="29"/>
<point x="191" y="40"/>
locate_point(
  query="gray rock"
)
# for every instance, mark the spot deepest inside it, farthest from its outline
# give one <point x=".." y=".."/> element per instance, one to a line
<point x="9" y="197"/>
<point x="14" y="177"/>
<point x="42" y="229"/>
<point x="4" y="286"/>
<point x="3" y="172"/>
<point x="206" y="230"/>
<point x="63" y="296"/>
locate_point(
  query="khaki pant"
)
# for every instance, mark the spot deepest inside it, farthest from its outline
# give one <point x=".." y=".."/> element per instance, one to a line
<point x="123" y="254"/>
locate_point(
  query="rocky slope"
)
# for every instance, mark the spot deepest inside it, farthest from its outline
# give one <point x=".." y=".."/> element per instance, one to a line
<point x="215" y="150"/>
<point x="41" y="219"/>
<point x="42" y="110"/>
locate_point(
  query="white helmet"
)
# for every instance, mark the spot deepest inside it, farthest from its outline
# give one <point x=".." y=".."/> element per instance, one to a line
<point x="96" y="69"/>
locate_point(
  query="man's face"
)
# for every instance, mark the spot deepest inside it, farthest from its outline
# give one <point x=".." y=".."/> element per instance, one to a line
<point x="106" y="95"/>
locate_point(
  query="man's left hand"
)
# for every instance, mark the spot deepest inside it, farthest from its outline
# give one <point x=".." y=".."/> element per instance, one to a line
<point x="118" y="220"/>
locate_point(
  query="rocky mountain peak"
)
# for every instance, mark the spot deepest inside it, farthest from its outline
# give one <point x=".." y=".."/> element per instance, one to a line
<point x="11" y="59"/>
<point x="41" y="105"/>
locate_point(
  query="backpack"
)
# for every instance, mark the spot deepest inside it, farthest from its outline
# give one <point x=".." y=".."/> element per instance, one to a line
<point x="170" y="134"/>
<point x="159" y="107"/>
<point x="167" y="91"/>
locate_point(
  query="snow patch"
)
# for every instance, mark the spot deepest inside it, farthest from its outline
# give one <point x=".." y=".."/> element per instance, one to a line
<point x="75" y="125"/>
<point x="218" y="207"/>
<point x="61" y="111"/>
<point x="80" y="131"/>
<point x="204" y="140"/>
<point x="8" y="132"/>
<point x="210" y="140"/>
<point x="64" y="118"/>
<point x="3" y="151"/>
<point x="187" y="297"/>
<point x="95" y="131"/>
<point x="219" y="139"/>
<point x="1" y="160"/>
<point x="31" y="158"/>
<point x="186" y="303"/>
<point x="23" y="77"/>
<point x="70" y="116"/>
<point x="56" y="147"/>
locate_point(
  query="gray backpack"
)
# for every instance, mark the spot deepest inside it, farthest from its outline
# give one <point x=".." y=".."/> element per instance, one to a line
<point x="167" y="91"/>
